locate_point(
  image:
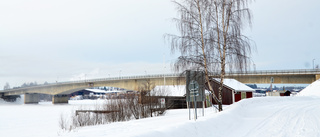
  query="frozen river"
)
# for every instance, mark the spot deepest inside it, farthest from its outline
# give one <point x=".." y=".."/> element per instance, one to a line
<point x="36" y="120"/>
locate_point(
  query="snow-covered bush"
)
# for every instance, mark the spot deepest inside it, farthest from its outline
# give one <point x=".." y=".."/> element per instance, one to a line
<point x="114" y="110"/>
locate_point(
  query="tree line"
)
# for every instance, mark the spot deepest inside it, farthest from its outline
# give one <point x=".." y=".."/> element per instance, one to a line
<point x="26" y="84"/>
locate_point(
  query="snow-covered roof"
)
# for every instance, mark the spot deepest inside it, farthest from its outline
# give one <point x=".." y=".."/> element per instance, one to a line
<point x="177" y="90"/>
<point x="96" y="90"/>
<point x="180" y="90"/>
<point x="115" y="91"/>
<point x="103" y="91"/>
<point x="312" y="90"/>
<point x="236" y="85"/>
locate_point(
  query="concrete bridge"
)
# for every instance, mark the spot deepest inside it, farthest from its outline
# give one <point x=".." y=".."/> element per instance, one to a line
<point x="62" y="90"/>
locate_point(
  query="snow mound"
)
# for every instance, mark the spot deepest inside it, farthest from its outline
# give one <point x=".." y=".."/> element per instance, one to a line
<point x="311" y="90"/>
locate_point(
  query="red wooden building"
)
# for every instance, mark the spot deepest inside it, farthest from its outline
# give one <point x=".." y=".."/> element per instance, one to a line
<point x="233" y="91"/>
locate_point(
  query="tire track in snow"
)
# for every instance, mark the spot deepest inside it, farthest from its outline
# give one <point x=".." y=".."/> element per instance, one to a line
<point x="293" y="117"/>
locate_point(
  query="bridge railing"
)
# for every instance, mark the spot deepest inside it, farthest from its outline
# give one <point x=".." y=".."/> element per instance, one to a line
<point x="276" y="72"/>
<point x="124" y="77"/>
<point x="104" y="79"/>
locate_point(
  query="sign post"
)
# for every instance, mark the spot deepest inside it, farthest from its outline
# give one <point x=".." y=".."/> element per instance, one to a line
<point x="194" y="87"/>
<point x="162" y="102"/>
<point x="194" y="90"/>
<point x="271" y="81"/>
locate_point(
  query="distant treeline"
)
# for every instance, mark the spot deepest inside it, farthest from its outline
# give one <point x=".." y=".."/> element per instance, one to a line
<point x="290" y="88"/>
<point x="29" y="84"/>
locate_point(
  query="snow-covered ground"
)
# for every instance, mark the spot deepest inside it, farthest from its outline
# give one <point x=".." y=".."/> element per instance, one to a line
<point x="257" y="117"/>
<point x="297" y="116"/>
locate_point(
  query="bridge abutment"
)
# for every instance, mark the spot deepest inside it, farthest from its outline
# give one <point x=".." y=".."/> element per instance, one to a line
<point x="31" y="98"/>
<point x="317" y="76"/>
<point x="60" y="99"/>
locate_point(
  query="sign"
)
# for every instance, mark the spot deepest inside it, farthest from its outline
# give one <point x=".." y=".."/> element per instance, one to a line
<point x="195" y="86"/>
<point x="162" y="101"/>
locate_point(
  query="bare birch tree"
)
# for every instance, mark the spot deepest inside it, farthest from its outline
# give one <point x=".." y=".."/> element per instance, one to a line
<point x="6" y="86"/>
<point x="211" y="37"/>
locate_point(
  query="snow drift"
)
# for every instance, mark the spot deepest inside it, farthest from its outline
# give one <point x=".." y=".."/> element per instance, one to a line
<point x="255" y="117"/>
<point x="311" y="90"/>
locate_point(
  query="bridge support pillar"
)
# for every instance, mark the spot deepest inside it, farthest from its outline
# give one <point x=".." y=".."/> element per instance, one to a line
<point x="59" y="99"/>
<point x="317" y="77"/>
<point x="31" y="98"/>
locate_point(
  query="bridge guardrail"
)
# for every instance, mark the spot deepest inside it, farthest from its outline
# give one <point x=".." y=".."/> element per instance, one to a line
<point x="266" y="72"/>
<point x="102" y="79"/>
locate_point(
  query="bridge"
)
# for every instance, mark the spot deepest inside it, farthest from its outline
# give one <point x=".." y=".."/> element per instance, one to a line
<point x="62" y="90"/>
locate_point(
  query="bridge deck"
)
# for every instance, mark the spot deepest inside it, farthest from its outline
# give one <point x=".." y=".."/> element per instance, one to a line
<point x="134" y="82"/>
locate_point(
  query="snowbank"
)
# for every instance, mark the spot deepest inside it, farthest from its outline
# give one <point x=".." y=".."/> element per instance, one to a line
<point x="311" y="90"/>
<point x="255" y="117"/>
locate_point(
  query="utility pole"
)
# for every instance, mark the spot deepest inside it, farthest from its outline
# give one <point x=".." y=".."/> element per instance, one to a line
<point x="313" y="63"/>
<point x="164" y="70"/>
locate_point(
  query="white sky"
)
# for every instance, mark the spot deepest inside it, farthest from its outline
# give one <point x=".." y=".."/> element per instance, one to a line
<point x="49" y="40"/>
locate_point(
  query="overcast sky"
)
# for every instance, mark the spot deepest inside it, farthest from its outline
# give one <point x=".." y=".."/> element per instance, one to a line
<point x="61" y="40"/>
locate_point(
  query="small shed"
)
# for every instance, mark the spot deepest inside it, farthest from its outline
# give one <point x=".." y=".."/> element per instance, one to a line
<point x="233" y="91"/>
<point x="285" y="93"/>
<point x="175" y="95"/>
